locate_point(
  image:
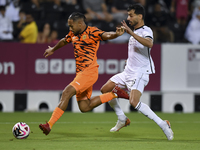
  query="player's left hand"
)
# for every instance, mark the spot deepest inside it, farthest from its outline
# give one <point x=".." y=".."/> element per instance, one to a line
<point x="120" y="30"/>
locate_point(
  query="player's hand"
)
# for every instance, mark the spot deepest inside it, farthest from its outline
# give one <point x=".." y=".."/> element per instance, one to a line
<point x="48" y="51"/>
<point x="120" y="30"/>
<point x="128" y="30"/>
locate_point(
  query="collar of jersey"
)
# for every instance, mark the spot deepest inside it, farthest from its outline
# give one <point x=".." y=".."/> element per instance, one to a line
<point x="140" y="27"/>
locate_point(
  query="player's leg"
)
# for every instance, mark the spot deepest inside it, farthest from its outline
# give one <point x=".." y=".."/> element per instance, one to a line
<point x="122" y="118"/>
<point x="142" y="107"/>
<point x="135" y="94"/>
<point x="67" y="93"/>
<point x="86" y="80"/>
<point x="87" y="104"/>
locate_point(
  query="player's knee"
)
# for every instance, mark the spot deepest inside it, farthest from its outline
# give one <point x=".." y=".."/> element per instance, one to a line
<point x="68" y="92"/>
<point x="64" y="92"/>
<point x="65" y="95"/>
<point x="103" y="90"/>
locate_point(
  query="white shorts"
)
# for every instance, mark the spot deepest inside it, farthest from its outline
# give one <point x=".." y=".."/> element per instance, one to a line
<point x="131" y="81"/>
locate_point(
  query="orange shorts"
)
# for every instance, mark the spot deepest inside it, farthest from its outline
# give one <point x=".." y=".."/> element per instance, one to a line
<point x="83" y="83"/>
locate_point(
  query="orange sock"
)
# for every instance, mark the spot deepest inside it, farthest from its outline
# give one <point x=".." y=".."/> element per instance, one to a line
<point x="57" y="113"/>
<point x="107" y="97"/>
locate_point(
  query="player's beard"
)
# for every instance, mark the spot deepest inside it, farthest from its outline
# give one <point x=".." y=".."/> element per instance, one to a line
<point x="134" y="23"/>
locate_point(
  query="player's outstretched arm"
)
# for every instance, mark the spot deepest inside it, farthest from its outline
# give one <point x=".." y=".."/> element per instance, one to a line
<point x="144" y="41"/>
<point x="51" y="50"/>
<point x="111" y="35"/>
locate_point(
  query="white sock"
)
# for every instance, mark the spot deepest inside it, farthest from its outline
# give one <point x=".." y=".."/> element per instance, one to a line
<point x="145" y="109"/>
<point x="119" y="112"/>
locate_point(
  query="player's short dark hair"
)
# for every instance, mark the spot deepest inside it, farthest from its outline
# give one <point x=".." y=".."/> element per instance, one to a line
<point x="139" y="9"/>
<point x="77" y="15"/>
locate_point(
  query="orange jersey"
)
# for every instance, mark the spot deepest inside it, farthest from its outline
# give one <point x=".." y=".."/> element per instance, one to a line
<point x="85" y="46"/>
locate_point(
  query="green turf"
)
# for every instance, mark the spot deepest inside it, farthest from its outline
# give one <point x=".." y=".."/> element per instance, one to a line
<point x="90" y="131"/>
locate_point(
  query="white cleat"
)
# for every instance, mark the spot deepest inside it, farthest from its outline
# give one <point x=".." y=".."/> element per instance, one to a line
<point x="168" y="131"/>
<point x="120" y="125"/>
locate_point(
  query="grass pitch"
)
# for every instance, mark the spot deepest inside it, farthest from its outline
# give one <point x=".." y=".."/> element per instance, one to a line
<point x="90" y="131"/>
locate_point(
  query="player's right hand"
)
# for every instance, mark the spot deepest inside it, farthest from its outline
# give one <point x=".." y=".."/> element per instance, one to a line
<point x="48" y="51"/>
<point x="125" y="26"/>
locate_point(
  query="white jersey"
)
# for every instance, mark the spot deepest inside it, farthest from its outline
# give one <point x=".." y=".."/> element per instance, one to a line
<point x="139" y="58"/>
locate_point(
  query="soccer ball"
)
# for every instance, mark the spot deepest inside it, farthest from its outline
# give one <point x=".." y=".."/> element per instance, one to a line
<point x="21" y="130"/>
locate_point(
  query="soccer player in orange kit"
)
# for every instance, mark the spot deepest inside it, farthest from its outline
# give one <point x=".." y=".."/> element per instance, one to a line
<point x="85" y="40"/>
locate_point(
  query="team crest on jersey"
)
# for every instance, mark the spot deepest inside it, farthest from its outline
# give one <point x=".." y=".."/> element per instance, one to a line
<point x="84" y="37"/>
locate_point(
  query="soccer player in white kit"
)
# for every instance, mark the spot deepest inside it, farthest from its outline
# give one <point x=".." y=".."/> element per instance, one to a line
<point x="135" y="76"/>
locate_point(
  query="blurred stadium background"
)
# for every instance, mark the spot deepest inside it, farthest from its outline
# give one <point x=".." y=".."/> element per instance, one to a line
<point x="30" y="82"/>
